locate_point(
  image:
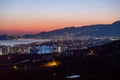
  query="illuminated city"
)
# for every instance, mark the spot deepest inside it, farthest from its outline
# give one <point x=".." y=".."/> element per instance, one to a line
<point x="59" y="39"/>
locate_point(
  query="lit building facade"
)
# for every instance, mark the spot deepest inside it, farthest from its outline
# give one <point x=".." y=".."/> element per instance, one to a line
<point x="44" y="49"/>
<point x="0" y="51"/>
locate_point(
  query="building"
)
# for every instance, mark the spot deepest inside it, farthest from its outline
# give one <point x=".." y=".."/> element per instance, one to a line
<point x="0" y="51"/>
<point x="44" y="49"/>
<point x="33" y="50"/>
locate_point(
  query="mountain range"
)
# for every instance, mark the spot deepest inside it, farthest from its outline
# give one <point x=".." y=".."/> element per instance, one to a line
<point x="98" y="30"/>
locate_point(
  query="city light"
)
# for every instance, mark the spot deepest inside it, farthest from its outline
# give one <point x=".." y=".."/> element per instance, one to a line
<point x="15" y="67"/>
<point x="91" y="52"/>
<point x="51" y="64"/>
<point x="9" y="57"/>
<point x="54" y="74"/>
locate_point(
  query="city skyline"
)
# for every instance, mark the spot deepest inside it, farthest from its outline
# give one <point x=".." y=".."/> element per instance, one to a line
<point x="21" y="17"/>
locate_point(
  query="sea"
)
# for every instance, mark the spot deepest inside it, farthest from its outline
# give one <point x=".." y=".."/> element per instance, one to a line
<point x="21" y="41"/>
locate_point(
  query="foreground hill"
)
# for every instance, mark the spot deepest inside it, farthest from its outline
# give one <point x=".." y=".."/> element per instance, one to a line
<point x="103" y="65"/>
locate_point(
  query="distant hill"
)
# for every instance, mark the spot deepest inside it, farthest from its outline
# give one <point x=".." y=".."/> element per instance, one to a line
<point x="8" y="37"/>
<point x="3" y="37"/>
<point x="99" y="30"/>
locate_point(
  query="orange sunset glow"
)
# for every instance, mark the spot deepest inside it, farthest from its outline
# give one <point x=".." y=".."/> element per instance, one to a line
<point x="19" y="18"/>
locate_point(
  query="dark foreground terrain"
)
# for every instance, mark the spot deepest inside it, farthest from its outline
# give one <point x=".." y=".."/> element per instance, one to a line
<point x="102" y="63"/>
